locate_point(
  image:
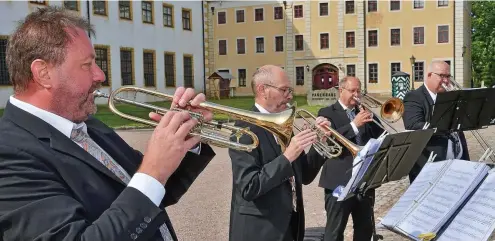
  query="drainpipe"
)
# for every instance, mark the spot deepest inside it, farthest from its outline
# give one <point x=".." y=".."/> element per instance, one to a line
<point x="453" y="43"/>
<point x="204" y="56"/>
<point x="89" y="16"/>
<point x="364" y="52"/>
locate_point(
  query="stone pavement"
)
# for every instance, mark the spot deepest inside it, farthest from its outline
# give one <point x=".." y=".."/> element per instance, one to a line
<point x="203" y="212"/>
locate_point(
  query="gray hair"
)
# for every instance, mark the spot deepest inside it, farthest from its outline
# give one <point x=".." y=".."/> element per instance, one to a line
<point x="345" y="80"/>
<point x="435" y="63"/>
<point x="263" y="75"/>
<point x="44" y="35"/>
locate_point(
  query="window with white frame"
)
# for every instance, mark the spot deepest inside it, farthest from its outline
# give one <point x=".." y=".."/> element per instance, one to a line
<point x="279" y="44"/>
<point x="443" y="34"/>
<point x="419" y="35"/>
<point x="419" y="71"/>
<point x="239" y="16"/>
<point x="373" y="73"/>
<point x="323" y="9"/>
<point x="222" y="47"/>
<point x="299" y="75"/>
<point x="351" y="70"/>
<point x="241" y="46"/>
<point x="260" y="45"/>
<point x="241" y="77"/>
<point x="419" y="4"/>
<point x="394" y="67"/>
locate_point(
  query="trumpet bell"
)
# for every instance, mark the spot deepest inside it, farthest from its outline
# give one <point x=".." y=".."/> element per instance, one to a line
<point x="392" y="110"/>
<point x="211" y="132"/>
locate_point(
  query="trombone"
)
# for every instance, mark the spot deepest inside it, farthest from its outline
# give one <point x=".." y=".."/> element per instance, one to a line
<point x="453" y="86"/>
<point x="390" y="111"/>
<point x="330" y="147"/>
<point x="279" y="124"/>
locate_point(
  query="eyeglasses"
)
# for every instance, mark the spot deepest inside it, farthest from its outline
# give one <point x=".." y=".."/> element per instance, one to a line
<point x="286" y="91"/>
<point x="444" y="76"/>
<point x="358" y="91"/>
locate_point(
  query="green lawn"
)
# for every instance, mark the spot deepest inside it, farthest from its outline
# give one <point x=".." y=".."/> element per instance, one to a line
<point x="116" y="121"/>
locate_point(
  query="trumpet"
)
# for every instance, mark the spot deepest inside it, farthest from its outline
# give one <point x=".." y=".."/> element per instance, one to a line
<point x="330" y="147"/>
<point x="390" y="111"/>
<point x="211" y="132"/>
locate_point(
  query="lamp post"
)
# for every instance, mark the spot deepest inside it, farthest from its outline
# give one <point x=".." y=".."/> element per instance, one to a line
<point x="413" y="60"/>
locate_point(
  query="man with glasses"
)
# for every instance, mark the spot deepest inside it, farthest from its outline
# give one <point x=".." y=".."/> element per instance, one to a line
<point x="418" y="105"/>
<point x="357" y="126"/>
<point x="267" y="202"/>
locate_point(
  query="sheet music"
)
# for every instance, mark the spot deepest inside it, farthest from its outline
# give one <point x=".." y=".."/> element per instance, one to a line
<point x="359" y="167"/>
<point x="476" y="220"/>
<point x="436" y="206"/>
<point x="420" y="185"/>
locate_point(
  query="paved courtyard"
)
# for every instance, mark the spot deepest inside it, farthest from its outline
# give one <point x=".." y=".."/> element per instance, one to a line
<point x="203" y="212"/>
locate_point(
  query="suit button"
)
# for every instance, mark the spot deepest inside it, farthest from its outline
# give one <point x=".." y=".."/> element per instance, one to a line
<point x="139" y="230"/>
<point x="143" y="225"/>
<point x="147" y="219"/>
<point x="133" y="236"/>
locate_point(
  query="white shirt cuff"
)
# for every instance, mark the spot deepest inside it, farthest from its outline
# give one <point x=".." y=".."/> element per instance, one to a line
<point x="149" y="186"/>
<point x="356" y="131"/>
<point x="196" y="150"/>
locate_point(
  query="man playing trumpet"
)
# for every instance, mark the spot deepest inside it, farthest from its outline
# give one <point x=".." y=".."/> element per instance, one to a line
<point x="267" y="202"/>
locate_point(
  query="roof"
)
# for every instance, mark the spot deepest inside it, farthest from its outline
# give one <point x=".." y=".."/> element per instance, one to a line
<point x="222" y="75"/>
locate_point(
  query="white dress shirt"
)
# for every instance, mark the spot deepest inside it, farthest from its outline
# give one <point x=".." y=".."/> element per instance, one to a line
<point x="146" y="184"/>
<point x="450" y="145"/>
<point x="354" y="127"/>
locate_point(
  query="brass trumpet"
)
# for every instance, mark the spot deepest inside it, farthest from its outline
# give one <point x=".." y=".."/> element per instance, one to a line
<point x="330" y="147"/>
<point x="279" y="124"/>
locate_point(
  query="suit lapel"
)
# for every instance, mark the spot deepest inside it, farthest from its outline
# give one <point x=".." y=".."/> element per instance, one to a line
<point x="429" y="105"/>
<point x="54" y="138"/>
<point x="65" y="146"/>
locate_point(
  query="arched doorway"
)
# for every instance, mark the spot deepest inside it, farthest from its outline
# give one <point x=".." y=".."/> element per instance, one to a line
<point x="325" y="76"/>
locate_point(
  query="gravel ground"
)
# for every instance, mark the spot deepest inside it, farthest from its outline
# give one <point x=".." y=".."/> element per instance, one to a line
<point x="203" y="212"/>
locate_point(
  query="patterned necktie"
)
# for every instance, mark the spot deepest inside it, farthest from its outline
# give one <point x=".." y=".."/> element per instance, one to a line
<point x="456" y="143"/>
<point x="83" y="139"/>
<point x="352" y="114"/>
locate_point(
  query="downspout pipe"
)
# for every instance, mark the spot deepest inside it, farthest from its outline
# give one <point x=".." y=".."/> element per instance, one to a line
<point x="88" y="16"/>
<point x="204" y="55"/>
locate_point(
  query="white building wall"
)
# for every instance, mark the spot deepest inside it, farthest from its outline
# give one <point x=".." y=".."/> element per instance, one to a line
<point x="116" y="33"/>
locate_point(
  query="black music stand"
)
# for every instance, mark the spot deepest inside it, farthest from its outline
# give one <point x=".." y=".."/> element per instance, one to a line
<point x="464" y="110"/>
<point x="393" y="160"/>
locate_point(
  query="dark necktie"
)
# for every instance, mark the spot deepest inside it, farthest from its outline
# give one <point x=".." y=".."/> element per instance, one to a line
<point x="352" y="114"/>
<point x="456" y="143"/>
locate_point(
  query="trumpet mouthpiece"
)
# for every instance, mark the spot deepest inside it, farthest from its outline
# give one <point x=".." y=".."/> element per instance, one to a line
<point x="98" y="93"/>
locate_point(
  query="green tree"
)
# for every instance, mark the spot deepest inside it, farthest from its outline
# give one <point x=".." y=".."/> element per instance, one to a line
<point x="483" y="42"/>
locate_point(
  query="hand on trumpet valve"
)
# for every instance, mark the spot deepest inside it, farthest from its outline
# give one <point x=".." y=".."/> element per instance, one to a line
<point x="322" y="122"/>
<point x="362" y="117"/>
<point x="298" y="143"/>
<point x="188" y="100"/>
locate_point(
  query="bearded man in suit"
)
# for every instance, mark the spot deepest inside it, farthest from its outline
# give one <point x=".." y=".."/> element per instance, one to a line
<point x="65" y="175"/>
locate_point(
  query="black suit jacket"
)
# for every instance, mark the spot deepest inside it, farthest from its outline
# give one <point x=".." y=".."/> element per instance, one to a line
<point x="417" y="111"/>
<point x="51" y="189"/>
<point x="261" y="204"/>
<point x="337" y="171"/>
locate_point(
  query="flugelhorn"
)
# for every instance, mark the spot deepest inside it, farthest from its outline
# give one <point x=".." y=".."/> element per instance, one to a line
<point x="328" y="146"/>
<point x="211" y="132"/>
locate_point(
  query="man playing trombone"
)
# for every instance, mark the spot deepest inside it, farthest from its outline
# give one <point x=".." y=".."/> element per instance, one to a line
<point x="355" y="124"/>
<point x="418" y="105"/>
<point x="267" y="202"/>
